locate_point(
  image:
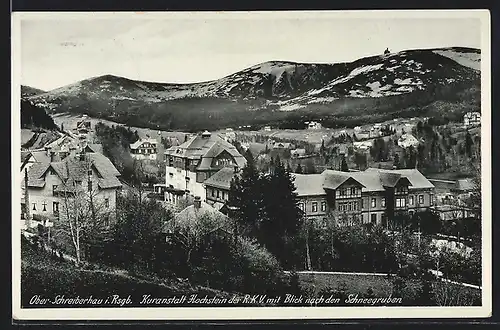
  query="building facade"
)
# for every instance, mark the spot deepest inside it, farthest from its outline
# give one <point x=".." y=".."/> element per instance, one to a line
<point x="144" y="149"/>
<point x="54" y="187"/>
<point x="472" y="119"/>
<point x="371" y="196"/>
<point x="190" y="164"/>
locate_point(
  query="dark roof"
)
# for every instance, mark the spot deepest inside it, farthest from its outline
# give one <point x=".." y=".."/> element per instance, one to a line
<point x="221" y="179"/>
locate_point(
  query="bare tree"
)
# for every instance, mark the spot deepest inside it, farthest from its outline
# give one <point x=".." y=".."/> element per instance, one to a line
<point x="84" y="215"/>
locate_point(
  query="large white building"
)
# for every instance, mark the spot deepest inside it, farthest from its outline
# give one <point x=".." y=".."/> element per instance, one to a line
<point x="194" y="161"/>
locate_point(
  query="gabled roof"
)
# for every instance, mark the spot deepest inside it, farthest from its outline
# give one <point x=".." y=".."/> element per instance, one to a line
<point x="334" y="179"/>
<point x="74" y="169"/>
<point x="190" y="218"/>
<point x="139" y="142"/>
<point x="221" y="179"/>
<point x="309" y="184"/>
<point x="417" y="179"/>
<point x="205" y="147"/>
<point x="464" y="185"/>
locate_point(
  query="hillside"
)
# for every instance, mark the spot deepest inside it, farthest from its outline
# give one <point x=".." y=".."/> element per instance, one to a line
<point x="407" y="83"/>
<point x="27" y="91"/>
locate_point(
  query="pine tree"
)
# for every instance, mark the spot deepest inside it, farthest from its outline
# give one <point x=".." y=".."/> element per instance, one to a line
<point x="343" y="166"/>
<point x="298" y="169"/>
<point x="283" y="217"/>
<point x="396" y="161"/>
<point x="246" y="196"/>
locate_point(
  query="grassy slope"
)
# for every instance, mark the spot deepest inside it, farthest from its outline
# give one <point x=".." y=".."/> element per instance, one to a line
<point x="44" y="276"/>
<point x="381" y="285"/>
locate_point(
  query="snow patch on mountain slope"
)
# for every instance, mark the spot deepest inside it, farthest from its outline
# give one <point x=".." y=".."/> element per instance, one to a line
<point x="470" y="60"/>
<point x="291" y="107"/>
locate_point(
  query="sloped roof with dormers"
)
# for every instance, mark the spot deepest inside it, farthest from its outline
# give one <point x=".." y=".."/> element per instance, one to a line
<point x="75" y="169"/>
<point x="205" y="147"/>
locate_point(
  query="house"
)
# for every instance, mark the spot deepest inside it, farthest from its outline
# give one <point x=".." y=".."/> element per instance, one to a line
<point x="196" y="160"/>
<point x="297" y="153"/>
<point x="452" y="212"/>
<point x="267" y="128"/>
<point x="313" y="125"/>
<point x="362" y="145"/>
<point x="407" y="140"/>
<point x="201" y="220"/>
<point x="362" y="135"/>
<point x="218" y="185"/>
<point x="472" y="119"/>
<point x="371" y="196"/>
<point x="83" y="127"/>
<point x="53" y="185"/>
<point x="144" y="149"/>
<point x="281" y="145"/>
<point x="229" y="135"/>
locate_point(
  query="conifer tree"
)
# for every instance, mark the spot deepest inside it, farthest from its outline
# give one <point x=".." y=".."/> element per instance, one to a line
<point x="343" y="166"/>
<point x="283" y="216"/>
<point x="298" y="170"/>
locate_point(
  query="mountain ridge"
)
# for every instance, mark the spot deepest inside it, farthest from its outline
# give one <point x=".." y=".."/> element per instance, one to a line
<point x="268" y="88"/>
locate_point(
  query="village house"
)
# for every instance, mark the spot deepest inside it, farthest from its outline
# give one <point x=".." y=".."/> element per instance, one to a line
<point x="229" y="135"/>
<point x="472" y="119"/>
<point x="313" y="125"/>
<point x="52" y="184"/>
<point x="363" y="135"/>
<point x="83" y="127"/>
<point x="297" y="153"/>
<point x="144" y="149"/>
<point x="217" y="187"/>
<point x="370" y="196"/>
<point x="452" y="212"/>
<point x="190" y="164"/>
<point x="408" y="140"/>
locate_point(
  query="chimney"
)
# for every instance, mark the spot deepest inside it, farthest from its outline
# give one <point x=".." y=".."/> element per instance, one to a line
<point x="197" y="202"/>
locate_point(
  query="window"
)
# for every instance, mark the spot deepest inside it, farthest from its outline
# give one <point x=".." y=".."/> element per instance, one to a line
<point x="34" y="206"/>
<point x="340" y="207"/>
<point x="412" y="200"/>
<point x="362" y="203"/>
<point x="353" y="191"/>
<point x="44" y="204"/>
<point x="187" y="179"/>
<point x="411" y="213"/>
<point x="218" y="193"/>
<point x="374" y="202"/>
<point x="55" y="208"/>
<point x="420" y="199"/>
<point x="431" y="200"/>
<point x="301" y="206"/>
<point x="213" y="192"/>
<point x="323" y="206"/>
<point x="374" y="218"/>
<point x="106" y="202"/>
<point x="383" y="202"/>
<point x="400" y="202"/>
<point x="350" y="206"/>
<point x="223" y="195"/>
<point x="315" y="206"/>
<point x="54" y="188"/>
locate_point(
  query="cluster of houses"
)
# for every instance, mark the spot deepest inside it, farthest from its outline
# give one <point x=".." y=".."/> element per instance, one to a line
<point x="472" y="119"/>
<point x="205" y="165"/>
<point x="202" y="169"/>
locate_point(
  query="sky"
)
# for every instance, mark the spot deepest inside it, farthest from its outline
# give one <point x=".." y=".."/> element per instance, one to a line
<point x="56" y="51"/>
